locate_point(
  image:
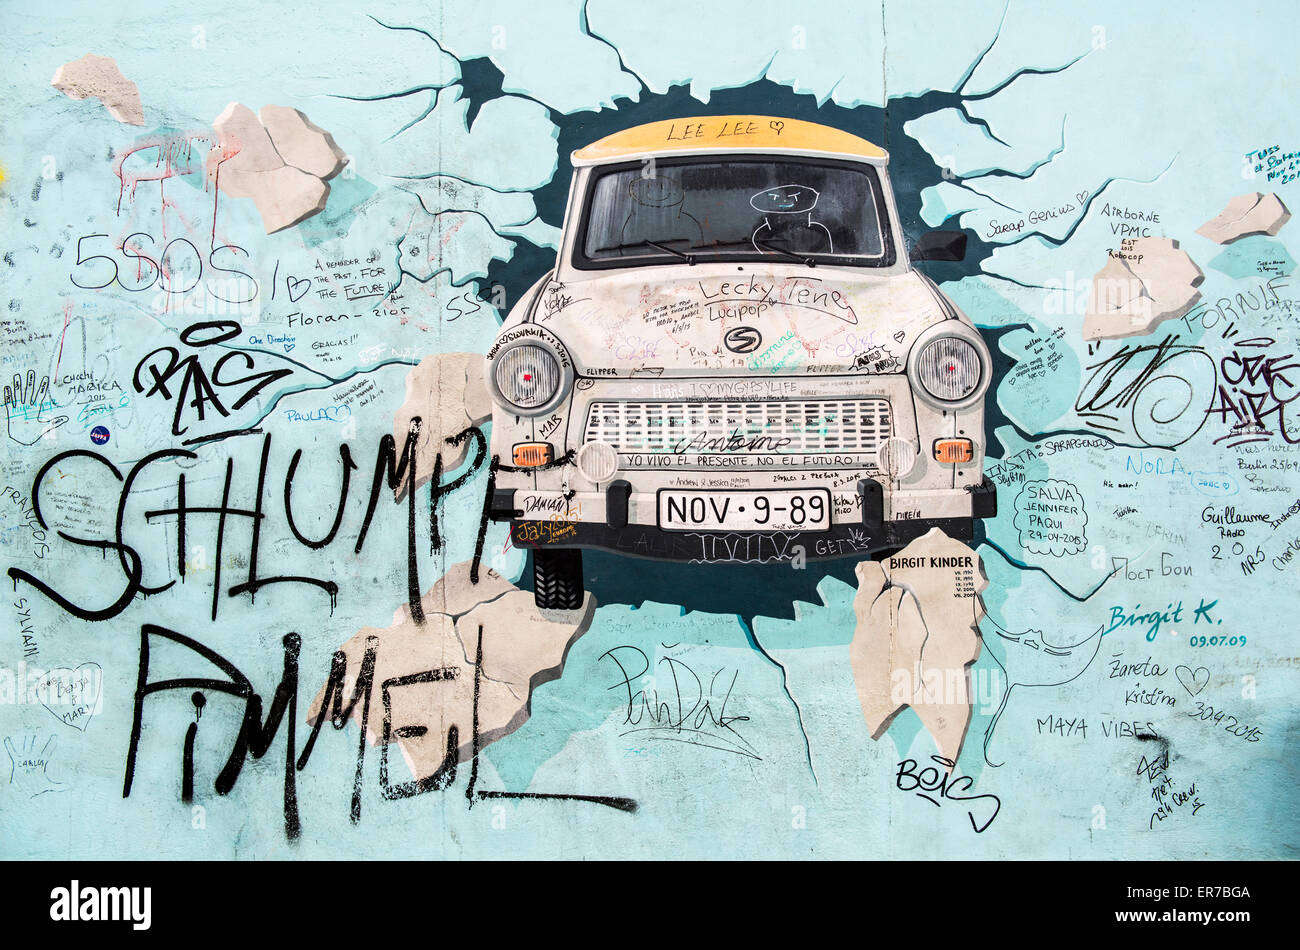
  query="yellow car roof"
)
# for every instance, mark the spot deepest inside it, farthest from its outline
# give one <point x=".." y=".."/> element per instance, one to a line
<point x="729" y="133"/>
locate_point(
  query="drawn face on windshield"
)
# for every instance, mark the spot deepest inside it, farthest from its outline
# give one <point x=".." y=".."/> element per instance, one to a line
<point x="656" y="192"/>
<point x="788" y="199"/>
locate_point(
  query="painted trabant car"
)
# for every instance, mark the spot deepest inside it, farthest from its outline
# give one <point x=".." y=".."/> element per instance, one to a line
<point x="734" y="360"/>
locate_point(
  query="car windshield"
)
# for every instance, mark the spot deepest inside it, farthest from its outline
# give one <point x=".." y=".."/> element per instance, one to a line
<point x="804" y="211"/>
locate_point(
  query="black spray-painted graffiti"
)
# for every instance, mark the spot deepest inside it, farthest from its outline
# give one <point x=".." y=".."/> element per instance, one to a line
<point x="258" y="731"/>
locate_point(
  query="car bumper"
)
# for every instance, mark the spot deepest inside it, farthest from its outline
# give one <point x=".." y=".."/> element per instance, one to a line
<point x="617" y="520"/>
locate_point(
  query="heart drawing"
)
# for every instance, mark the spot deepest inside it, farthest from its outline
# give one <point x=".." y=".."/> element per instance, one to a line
<point x="1192" y="678"/>
<point x="72" y="696"/>
<point x="297" y="287"/>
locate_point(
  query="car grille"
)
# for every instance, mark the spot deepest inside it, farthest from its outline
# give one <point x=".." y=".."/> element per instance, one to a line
<point x="776" y="427"/>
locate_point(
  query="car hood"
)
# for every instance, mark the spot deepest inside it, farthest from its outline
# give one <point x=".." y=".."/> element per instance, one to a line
<point x="723" y="321"/>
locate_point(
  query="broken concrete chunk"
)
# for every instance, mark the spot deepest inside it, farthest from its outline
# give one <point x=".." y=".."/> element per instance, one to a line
<point x="1148" y="281"/>
<point x="301" y="143"/>
<point x="478" y="404"/>
<point x="1114" y="290"/>
<point x="1244" y="215"/>
<point x="945" y="580"/>
<point x="455" y="593"/>
<point x="245" y="144"/>
<point x="873" y="647"/>
<point x="425" y="673"/>
<point x="437" y="394"/>
<point x="251" y="162"/>
<point x="99" y="76"/>
<point x="284" y="196"/>
<point x="442" y="700"/>
<point x="1169" y="276"/>
<point x="916" y="635"/>
<point x="521" y="644"/>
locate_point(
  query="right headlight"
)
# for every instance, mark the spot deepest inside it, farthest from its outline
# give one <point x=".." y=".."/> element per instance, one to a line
<point x="949" y="370"/>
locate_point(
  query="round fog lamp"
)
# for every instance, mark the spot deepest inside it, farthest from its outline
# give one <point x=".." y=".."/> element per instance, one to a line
<point x="597" y="461"/>
<point x="896" y="458"/>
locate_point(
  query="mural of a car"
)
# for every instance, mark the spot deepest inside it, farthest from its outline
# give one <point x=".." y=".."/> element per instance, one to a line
<point x="734" y="360"/>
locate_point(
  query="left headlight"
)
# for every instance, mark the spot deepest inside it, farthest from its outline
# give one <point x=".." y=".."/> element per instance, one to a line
<point x="530" y="371"/>
<point x="527" y="375"/>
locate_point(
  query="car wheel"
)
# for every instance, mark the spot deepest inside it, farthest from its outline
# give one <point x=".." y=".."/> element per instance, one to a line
<point x="557" y="579"/>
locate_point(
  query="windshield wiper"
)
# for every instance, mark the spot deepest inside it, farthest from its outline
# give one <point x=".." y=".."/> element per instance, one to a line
<point x="798" y="258"/>
<point x="788" y="253"/>
<point x="688" y="258"/>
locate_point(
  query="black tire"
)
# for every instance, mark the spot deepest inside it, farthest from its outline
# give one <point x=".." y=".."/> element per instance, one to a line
<point x="557" y="579"/>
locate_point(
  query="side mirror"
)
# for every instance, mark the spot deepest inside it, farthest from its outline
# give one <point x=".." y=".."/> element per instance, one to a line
<point x="939" y="246"/>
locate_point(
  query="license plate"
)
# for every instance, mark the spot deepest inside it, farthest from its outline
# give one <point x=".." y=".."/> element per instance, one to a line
<point x="745" y="510"/>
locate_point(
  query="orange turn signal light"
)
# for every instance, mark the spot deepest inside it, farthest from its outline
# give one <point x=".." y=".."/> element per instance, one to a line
<point x="532" y="454"/>
<point x="953" y="451"/>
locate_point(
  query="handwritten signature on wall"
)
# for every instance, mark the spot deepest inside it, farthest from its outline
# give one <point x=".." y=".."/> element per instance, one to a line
<point x="685" y="709"/>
